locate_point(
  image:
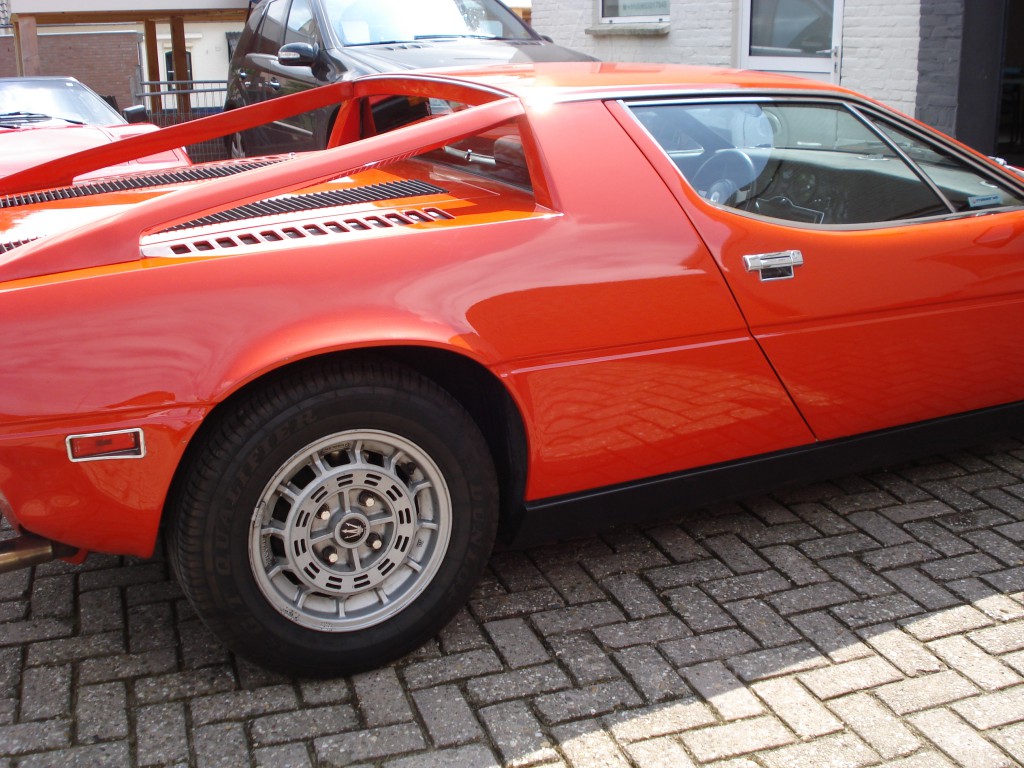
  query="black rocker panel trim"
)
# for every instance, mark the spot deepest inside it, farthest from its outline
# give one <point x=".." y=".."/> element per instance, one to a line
<point x="661" y="498"/>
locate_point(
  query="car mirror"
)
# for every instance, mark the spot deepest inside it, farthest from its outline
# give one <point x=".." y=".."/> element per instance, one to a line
<point x="298" y="55"/>
<point x="136" y="114"/>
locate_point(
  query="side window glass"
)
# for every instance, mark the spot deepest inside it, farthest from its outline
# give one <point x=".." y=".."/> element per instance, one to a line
<point x="496" y="154"/>
<point x="965" y="188"/>
<point x="302" y="26"/>
<point x="272" y="30"/>
<point x="808" y="163"/>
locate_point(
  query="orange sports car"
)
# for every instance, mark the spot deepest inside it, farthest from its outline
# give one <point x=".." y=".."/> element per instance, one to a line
<point x="503" y="302"/>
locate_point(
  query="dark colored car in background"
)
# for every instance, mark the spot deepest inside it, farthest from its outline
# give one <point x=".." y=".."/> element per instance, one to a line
<point x="291" y="45"/>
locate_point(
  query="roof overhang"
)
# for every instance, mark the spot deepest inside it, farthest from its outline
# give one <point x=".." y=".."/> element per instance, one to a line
<point x="47" y="12"/>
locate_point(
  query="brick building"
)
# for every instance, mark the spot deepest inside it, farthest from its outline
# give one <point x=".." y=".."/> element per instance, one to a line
<point x="939" y="60"/>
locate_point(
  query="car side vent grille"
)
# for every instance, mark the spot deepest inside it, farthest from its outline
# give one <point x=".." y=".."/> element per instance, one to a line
<point x="309" y="229"/>
<point x="141" y="181"/>
<point x="389" y="190"/>
<point x="11" y="245"/>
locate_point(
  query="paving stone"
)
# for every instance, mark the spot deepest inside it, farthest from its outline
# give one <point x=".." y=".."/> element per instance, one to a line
<point x="950" y="568"/>
<point x="839" y="679"/>
<point x="302" y="724"/>
<point x="919" y="693"/>
<point x="950" y="734"/>
<point x="880" y="529"/>
<point x="876" y="610"/>
<point x="21" y="738"/>
<point x="738" y="738"/>
<point x="520" y="604"/>
<point x="921" y="589"/>
<point x="664" y="752"/>
<point x="573" y="583"/>
<point x="46" y="693"/>
<point x="749" y="585"/>
<point x="585" y="745"/>
<point x="759" y="620"/>
<point x="676" y="543"/>
<point x="475" y="756"/>
<point x="449" y="668"/>
<point x="794" y="565"/>
<point x="831" y="637"/>
<point x="517" y="643"/>
<point x="586" y="702"/>
<point x="843" y="750"/>
<point x="773" y="662"/>
<point x="811" y="597"/>
<point x="161" y="734"/>
<point x="714" y="645"/>
<point x="179" y="685"/>
<point x="112" y="754"/>
<point x="899" y="556"/>
<point x="75" y="648"/>
<point x="739" y="557"/>
<point x="586" y="661"/>
<point x="630" y="561"/>
<point x="220" y="745"/>
<point x="513" y="685"/>
<point x="700" y="612"/>
<point x="344" y="749"/>
<point x="823" y="519"/>
<point x="994" y="545"/>
<point x="688" y="574"/>
<point x="992" y="710"/>
<point x="108" y="668"/>
<point x="100" y="713"/>
<point x="945" y="622"/>
<point x="650" y="673"/>
<point x="975" y="664"/>
<point x="1002" y="638"/>
<point x="283" y="756"/>
<point x="575" y="618"/>
<point x="791" y="702"/>
<point x="462" y="633"/>
<point x="684" y="714"/>
<point x="448" y="717"/>
<point x="517" y="734"/>
<point x="991" y="602"/>
<point x="381" y="698"/>
<point x="836" y="546"/>
<point x="643" y="631"/>
<point x="904" y="651"/>
<point x="632" y="593"/>
<point x="722" y="690"/>
<point x="1011" y="739"/>
<point x="857" y="576"/>
<point x="884" y="732"/>
<point x="242" y="704"/>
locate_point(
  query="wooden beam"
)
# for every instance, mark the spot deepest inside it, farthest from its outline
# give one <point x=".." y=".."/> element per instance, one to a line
<point x="152" y="63"/>
<point x="179" y="55"/>
<point x="26" y="44"/>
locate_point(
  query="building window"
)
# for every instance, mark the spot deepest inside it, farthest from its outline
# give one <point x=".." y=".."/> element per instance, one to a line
<point x="613" y="11"/>
<point x="169" y="65"/>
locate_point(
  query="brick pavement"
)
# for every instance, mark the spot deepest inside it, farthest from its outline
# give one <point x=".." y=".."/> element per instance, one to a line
<point x="872" y="620"/>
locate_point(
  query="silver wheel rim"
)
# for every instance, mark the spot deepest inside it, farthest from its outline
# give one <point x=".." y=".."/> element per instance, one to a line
<point x="350" y="530"/>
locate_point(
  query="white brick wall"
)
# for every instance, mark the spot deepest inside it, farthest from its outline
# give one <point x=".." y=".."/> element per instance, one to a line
<point x="881" y="43"/>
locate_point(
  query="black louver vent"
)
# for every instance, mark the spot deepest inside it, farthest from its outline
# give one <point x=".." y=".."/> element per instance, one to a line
<point x="12" y="244"/>
<point x="198" y="173"/>
<point x="389" y="190"/>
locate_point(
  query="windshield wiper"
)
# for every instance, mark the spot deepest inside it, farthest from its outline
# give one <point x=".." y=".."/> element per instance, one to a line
<point x="10" y="118"/>
<point x="455" y="35"/>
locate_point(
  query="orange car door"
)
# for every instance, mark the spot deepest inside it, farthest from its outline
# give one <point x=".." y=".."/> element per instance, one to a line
<point x="881" y="272"/>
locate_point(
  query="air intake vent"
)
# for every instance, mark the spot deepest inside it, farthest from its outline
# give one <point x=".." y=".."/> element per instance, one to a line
<point x="311" y="228"/>
<point x="140" y="181"/>
<point x="389" y="190"/>
<point x="10" y="246"/>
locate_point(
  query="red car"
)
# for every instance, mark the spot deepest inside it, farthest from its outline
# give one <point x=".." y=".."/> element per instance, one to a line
<point x="581" y="293"/>
<point x="44" y="118"/>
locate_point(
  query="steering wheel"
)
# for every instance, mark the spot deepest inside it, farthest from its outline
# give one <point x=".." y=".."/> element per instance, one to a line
<point x="723" y="175"/>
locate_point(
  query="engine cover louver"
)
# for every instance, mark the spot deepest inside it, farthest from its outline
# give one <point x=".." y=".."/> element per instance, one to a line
<point x="141" y="181"/>
<point x="389" y="190"/>
<point x="11" y="245"/>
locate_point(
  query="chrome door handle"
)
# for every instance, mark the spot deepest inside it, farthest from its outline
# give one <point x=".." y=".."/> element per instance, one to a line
<point x="275" y="84"/>
<point x="773" y="266"/>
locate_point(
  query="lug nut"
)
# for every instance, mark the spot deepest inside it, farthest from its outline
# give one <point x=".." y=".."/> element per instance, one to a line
<point x="367" y="500"/>
<point x="330" y="555"/>
<point x="324" y="512"/>
<point x="374" y="541"/>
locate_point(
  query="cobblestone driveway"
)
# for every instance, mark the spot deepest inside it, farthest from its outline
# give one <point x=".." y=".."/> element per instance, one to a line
<point x="874" y="620"/>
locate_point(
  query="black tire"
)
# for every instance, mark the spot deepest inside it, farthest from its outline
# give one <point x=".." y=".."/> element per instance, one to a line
<point x="311" y="449"/>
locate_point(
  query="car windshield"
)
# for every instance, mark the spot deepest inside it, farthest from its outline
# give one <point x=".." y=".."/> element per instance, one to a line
<point x="371" y="22"/>
<point x="60" y="99"/>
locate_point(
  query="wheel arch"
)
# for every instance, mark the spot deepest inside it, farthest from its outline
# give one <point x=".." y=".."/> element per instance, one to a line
<point x="478" y="390"/>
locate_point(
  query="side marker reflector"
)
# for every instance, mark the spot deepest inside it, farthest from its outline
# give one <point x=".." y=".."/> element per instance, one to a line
<point x="122" y="444"/>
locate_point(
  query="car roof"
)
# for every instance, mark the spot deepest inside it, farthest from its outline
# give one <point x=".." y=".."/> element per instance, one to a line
<point x="568" y="80"/>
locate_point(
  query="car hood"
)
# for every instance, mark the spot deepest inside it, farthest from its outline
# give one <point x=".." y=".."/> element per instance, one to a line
<point x="26" y="147"/>
<point x="454" y="52"/>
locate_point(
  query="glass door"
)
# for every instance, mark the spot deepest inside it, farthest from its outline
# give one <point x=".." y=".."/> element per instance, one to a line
<point x="798" y="36"/>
